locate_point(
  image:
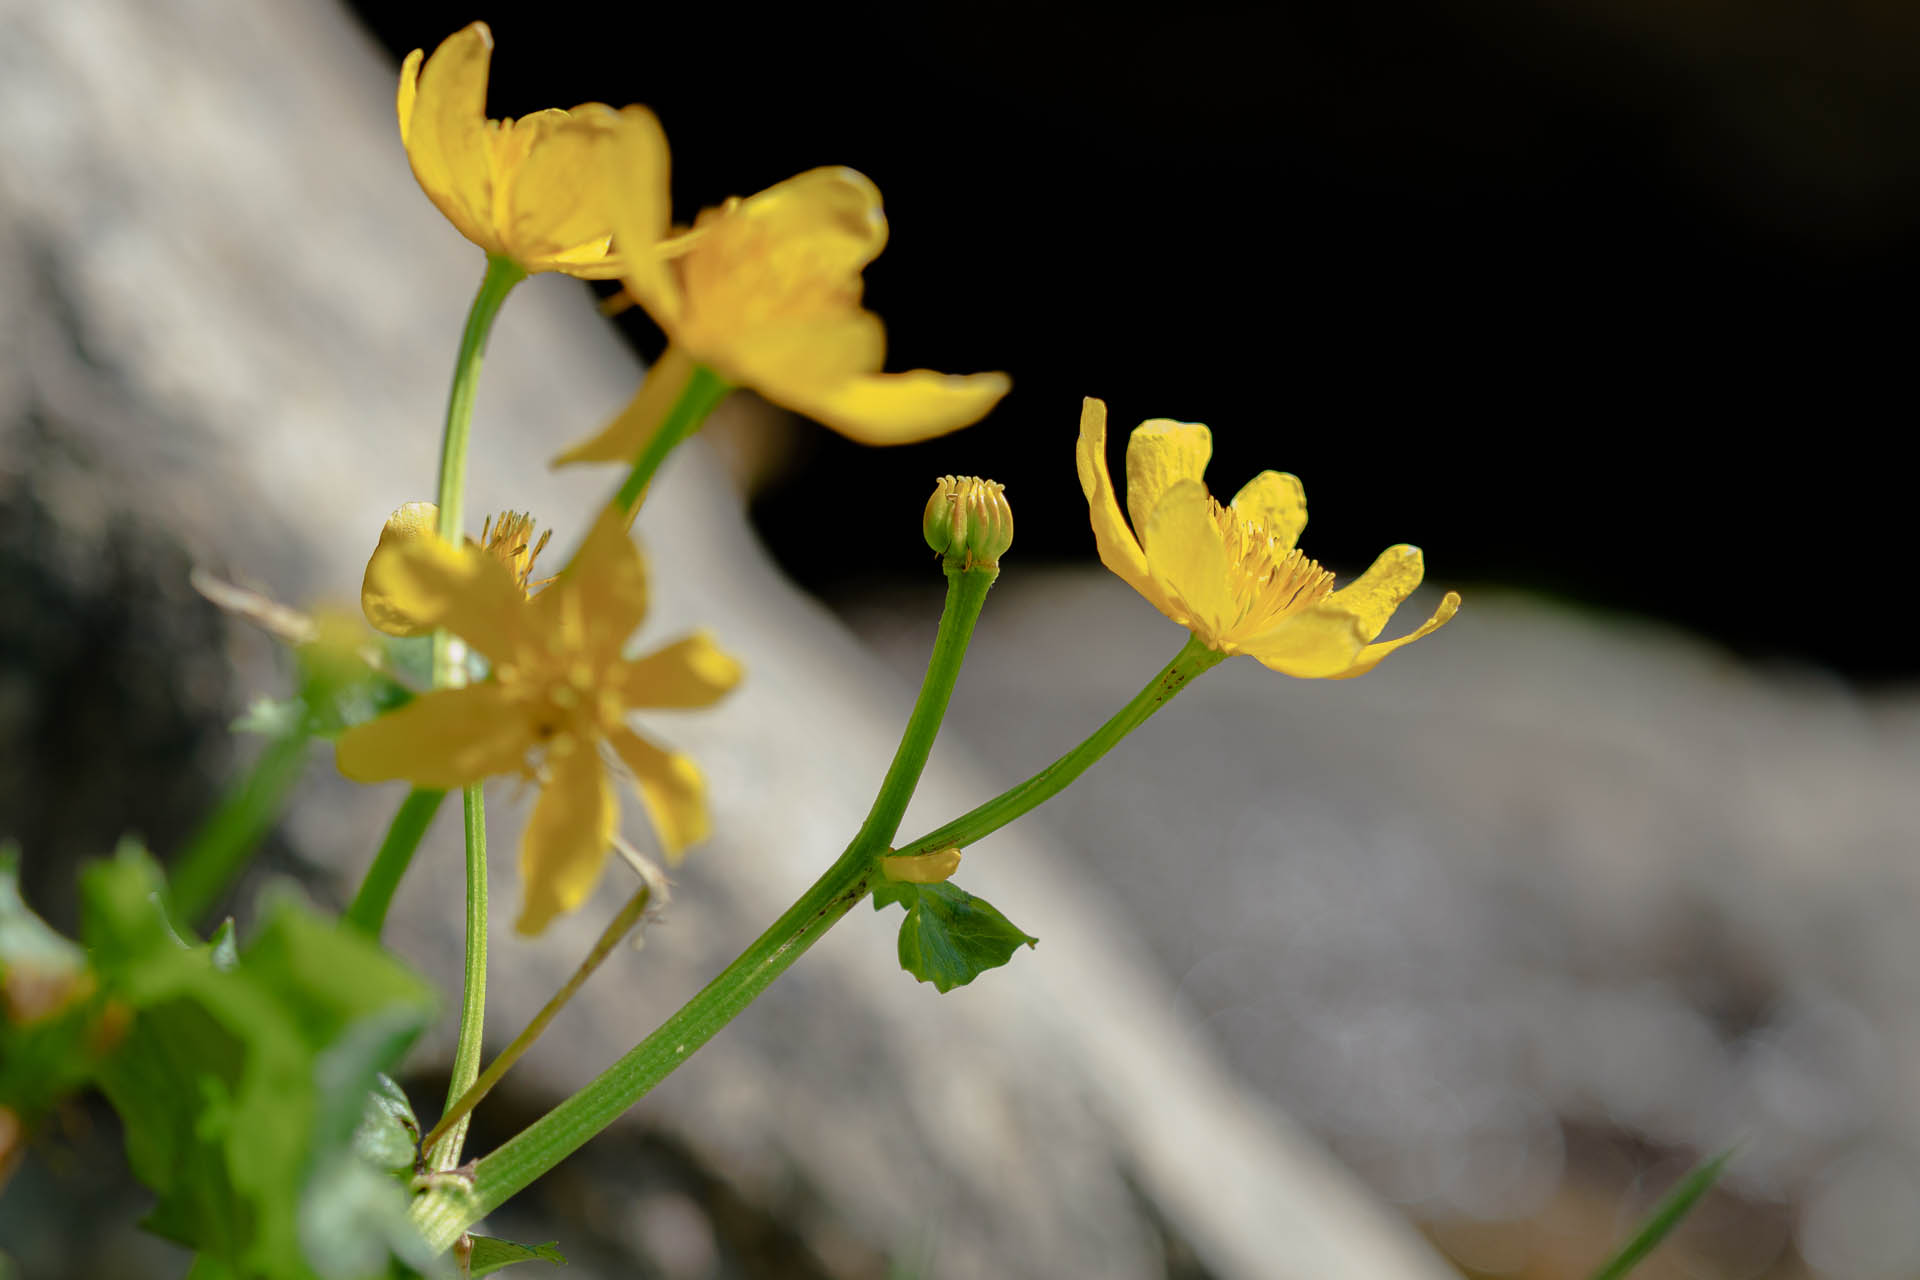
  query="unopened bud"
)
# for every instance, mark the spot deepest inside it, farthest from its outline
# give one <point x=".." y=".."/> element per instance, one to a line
<point x="969" y="522"/>
<point x="921" y="868"/>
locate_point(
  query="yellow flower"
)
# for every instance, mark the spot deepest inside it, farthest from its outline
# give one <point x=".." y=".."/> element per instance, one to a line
<point x="542" y="189"/>
<point x="1232" y="575"/>
<point x="559" y="693"/>
<point x="766" y="293"/>
<point x="507" y="538"/>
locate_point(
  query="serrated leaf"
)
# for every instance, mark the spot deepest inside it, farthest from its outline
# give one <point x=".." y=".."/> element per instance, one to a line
<point x="489" y="1254"/>
<point x="240" y="1089"/>
<point x="950" y="937"/>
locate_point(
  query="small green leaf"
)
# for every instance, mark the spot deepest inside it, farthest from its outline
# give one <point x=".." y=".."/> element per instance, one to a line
<point x="388" y="1136"/>
<point x="489" y="1255"/>
<point x="950" y="937"/>
<point x="50" y="1013"/>
<point x="1666" y="1215"/>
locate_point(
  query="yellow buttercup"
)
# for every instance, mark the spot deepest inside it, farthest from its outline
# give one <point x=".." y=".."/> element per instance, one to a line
<point x="765" y="293"/>
<point x="542" y="189"/>
<point x="1232" y="574"/>
<point x="555" y="705"/>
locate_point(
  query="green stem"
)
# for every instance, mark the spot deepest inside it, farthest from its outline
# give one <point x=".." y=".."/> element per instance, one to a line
<point x="473" y="998"/>
<point x="444" y="1212"/>
<point x="1192" y="659"/>
<point x="449" y="669"/>
<point x="368" y="910"/>
<point x="210" y="864"/>
<point x="502" y="274"/>
<point x="966" y="593"/>
<point x="704" y="390"/>
<point x="609" y="939"/>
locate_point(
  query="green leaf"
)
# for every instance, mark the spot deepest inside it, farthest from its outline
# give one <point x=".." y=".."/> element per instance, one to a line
<point x="241" y="1089"/>
<point x="489" y="1255"/>
<point x="950" y="937"/>
<point x="1666" y="1215"/>
<point x="51" y="1025"/>
<point x="388" y="1136"/>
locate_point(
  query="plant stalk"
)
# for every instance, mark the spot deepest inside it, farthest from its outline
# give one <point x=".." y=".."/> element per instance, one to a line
<point x="444" y="1213"/>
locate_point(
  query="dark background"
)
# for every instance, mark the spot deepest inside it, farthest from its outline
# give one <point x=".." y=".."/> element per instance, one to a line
<point x="1607" y="298"/>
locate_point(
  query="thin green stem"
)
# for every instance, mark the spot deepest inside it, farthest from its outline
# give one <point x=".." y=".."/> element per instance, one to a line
<point x="473" y="998"/>
<point x="368" y="910"/>
<point x="210" y="864"/>
<point x="505" y="1172"/>
<point x="610" y="937"/>
<point x="1665" y="1216"/>
<point x="966" y="593"/>
<point x="444" y="1212"/>
<point x="502" y="274"/>
<point x="449" y="669"/>
<point x="1192" y="659"/>
<point x="704" y="390"/>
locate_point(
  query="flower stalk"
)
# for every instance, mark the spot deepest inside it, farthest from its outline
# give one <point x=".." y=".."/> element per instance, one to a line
<point x="368" y="910"/>
<point x="616" y="929"/>
<point x="702" y="393"/>
<point x="445" y="1212"/>
<point x="1194" y="657"/>
<point x="449" y="669"/>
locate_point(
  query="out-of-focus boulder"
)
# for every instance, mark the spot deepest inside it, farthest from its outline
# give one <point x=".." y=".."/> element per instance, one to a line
<point x="221" y="290"/>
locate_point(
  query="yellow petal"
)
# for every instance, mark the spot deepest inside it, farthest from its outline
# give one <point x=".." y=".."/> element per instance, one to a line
<point x="622" y="439"/>
<point x="1373" y="596"/>
<point x="409" y="89"/>
<point x="1277" y="503"/>
<point x="447" y="137"/>
<point x="599" y="598"/>
<point x="463" y="589"/>
<point x="641" y="212"/>
<point x="1313" y="644"/>
<point x="689" y="673"/>
<point x="447" y="738"/>
<point x="413" y="521"/>
<point x="830" y="218"/>
<point x="896" y="408"/>
<point x="1185" y="553"/>
<point x="1370" y="656"/>
<point x="1119" y="549"/>
<point x="559" y="199"/>
<point x="567" y="837"/>
<point x="1160" y="454"/>
<point x="671" y="788"/>
<point x="794" y="363"/>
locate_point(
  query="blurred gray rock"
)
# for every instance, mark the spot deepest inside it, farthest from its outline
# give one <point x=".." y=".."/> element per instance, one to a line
<point x="1542" y="876"/>
<point x="221" y="293"/>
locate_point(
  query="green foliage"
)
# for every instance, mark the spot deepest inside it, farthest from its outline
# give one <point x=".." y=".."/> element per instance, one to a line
<point x="249" y="1085"/>
<point x="949" y="937"/>
<point x="1666" y="1215"/>
<point x="489" y="1255"/>
<point x="50" y="1011"/>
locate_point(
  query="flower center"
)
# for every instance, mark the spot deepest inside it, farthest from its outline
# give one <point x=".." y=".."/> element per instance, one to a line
<point x="1268" y="582"/>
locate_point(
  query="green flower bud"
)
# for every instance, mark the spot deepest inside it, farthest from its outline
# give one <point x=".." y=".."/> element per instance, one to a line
<point x="969" y="522"/>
